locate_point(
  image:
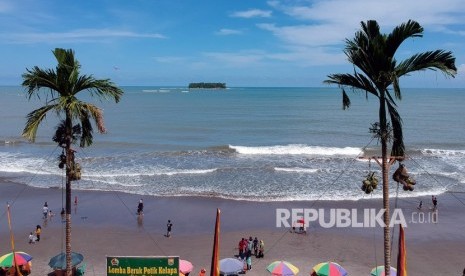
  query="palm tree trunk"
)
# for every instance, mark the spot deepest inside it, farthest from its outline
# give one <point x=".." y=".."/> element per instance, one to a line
<point x="385" y="171"/>
<point x="69" y="164"/>
<point x="387" y="237"/>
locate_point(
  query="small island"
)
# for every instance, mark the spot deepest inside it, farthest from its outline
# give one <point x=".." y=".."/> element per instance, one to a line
<point x="208" y="85"/>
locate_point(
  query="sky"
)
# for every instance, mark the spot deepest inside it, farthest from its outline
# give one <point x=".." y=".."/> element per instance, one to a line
<point x="242" y="43"/>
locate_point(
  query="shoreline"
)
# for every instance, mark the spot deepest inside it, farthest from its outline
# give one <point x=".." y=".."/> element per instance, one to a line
<point x="105" y="224"/>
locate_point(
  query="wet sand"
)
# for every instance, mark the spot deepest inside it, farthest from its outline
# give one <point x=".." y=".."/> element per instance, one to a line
<point x="106" y="224"/>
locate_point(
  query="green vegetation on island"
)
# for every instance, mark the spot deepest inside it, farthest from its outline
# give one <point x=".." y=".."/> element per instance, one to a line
<point x="209" y="85"/>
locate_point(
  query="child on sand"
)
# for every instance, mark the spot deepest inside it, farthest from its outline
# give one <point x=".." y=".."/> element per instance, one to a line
<point x="32" y="239"/>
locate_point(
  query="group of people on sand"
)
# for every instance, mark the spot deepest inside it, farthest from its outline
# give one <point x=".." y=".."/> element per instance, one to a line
<point x="140" y="213"/>
<point x="249" y="247"/>
<point x="47" y="212"/>
<point x="35" y="236"/>
<point x="434" y="200"/>
<point x="25" y="269"/>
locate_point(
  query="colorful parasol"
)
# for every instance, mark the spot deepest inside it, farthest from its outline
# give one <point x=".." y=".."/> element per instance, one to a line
<point x="328" y="269"/>
<point x="282" y="268"/>
<point x="18" y="258"/>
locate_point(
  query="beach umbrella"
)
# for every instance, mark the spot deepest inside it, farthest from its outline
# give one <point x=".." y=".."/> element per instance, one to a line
<point x="185" y="266"/>
<point x="59" y="261"/>
<point x="379" y="271"/>
<point x="328" y="269"/>
<point x="231" y="266"/>
<point x="282" y="268"/>
<point x="18" y="258"/>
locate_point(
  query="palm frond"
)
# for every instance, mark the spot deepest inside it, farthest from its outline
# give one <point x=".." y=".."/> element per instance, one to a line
<point x="396" y="87"/>
<point x="36" y="78"/>
<point x="400" y="33"/>
<point x="432" y="60"/>
<point x="34" y="119"/>
<point x="370" y="29"/>
<point x="345" y="100"/>
<point x="60" y="133"/>
<point x="356" y="81"/>
<point x="104" y="89"/>
<point x="398" y="148"/>
<point x="86" y="137"/>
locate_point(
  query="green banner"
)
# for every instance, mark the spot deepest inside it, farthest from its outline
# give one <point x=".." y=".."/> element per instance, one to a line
<point x="142" y="266"/>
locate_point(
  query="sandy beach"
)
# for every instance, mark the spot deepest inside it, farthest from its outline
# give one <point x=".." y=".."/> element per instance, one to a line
<point x="106" y="224"/>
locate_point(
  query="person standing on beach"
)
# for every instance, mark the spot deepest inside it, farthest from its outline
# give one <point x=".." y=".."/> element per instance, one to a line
<point x="241" y="248"/>
<point x="140" y="207"/>
<point x="168" y="229"/>
<point x="45" y="210"/>
<point x="255" y="246"/>
<point x="38" y="232"/>
<point x="249" y="260"/>
<point x="261" y="249"/>
<point x="250" y="246"/>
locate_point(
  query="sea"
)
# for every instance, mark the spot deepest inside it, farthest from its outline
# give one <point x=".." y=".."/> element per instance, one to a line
<point x="242" y="143"/>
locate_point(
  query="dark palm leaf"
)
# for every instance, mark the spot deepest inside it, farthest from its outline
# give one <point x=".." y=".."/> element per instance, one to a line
<point x="60" y="134"/>
<point x="400" y="33"/>
<point x="398" y="148"/>
<point x="432" y="60"/>
<point x="345" y="100"/>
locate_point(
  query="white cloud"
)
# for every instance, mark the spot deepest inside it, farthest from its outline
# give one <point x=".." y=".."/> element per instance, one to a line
<point x="311" y="56"/>
<point x="228" y="32"/>
<point x="309" y="35"/>
<point x="240" y="59"/>
<point x="387" y="13"/>
<point x="324" y="24"/>
<point x="252" y="13"/>
<point x="82" y="35"/>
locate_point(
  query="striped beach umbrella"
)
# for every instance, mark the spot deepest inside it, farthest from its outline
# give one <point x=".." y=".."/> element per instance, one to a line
<point x="328" y="269"/>
<point x="379" y="271"/>
<point x="18" y="258"/>
<point x="282" y="268"/>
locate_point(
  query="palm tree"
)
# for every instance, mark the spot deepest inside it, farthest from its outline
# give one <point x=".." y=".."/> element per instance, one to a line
<point x="377" y="72"/>
<point x="62" y="86"/>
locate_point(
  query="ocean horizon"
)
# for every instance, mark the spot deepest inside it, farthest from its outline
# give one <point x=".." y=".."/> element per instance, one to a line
<point x="243" y="143"/>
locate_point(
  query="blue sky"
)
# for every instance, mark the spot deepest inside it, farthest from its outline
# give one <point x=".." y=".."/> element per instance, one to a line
<point x="239" y="42"/>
